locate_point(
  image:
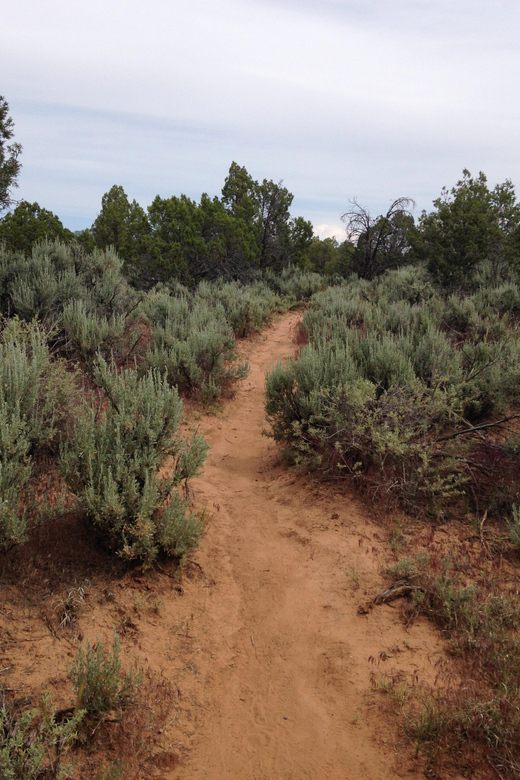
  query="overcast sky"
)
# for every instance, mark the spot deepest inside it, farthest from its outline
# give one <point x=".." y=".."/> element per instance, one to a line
<point x="372" y="99"/>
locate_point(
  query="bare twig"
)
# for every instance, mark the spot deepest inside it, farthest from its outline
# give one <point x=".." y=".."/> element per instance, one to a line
<point x="476" y="428"/>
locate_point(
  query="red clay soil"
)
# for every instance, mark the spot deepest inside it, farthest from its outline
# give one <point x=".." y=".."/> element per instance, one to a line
<point x="270" y="671"/>
<point x="284" y="665"/>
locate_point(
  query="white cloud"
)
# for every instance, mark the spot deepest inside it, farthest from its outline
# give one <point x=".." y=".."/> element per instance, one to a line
<point x="372" y="98"/>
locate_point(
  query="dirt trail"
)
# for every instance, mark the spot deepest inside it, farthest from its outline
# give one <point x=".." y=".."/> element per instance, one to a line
<point x="266" y="666"/>
<point x="277" y="664"/>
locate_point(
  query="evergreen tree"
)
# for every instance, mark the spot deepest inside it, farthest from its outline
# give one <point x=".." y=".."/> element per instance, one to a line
<point x="124" y="226"/>
<point x="9" y="153"/>
<point x="470" y="223"/>
<point x="29" y="223"/>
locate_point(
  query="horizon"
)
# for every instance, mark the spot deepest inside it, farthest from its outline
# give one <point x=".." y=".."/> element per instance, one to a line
<point x="336" y="98"/>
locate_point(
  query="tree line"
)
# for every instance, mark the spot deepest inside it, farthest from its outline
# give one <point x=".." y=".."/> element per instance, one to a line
<point x="249" y="228"/>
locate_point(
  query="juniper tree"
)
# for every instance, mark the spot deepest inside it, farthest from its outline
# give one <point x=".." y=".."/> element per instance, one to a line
<point x="9" y="154"/>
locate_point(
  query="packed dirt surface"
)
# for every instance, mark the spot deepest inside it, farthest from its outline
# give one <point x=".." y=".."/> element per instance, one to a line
<point x="268" y="668"/>
<point x="284" y="664"/>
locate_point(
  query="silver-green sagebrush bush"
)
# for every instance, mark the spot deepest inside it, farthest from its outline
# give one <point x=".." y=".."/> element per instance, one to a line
<point x="34" y="743"/>
<point x="37" y="396"/>
<point x="15" y="471"/>
<point x="389" y="386"/>
<point x="99" y="683"/>
<point x="294" y="283"/>
<point x="81" y="298"/>
<point x="90" y="332"/>
<point x="246" y="307"/>
<point x="112" y="462"/>
<point x="194" y="346"/>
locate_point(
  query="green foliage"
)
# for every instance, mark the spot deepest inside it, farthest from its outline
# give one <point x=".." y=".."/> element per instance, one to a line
<point x="385" y="378"/>
<point x="39" y="388"/>
<point x="29" y="223"/>
<point x="81" y="299"/>
<point x="123" y="226"/>
<point x="55" y="274"/>
<point x="470" y="224"/>
<point x="194" y="333"/>
<point x="246" y="307"/>
<point x="264" y="208"/>
<point x="9" y="153"/>
<point x="409" y="283"/>
<point x="33" y="744"/>
<point x="294" y="283"/>
<point x="90" y="332"/>
<point x="273" y="224"/>
<point x="193" y="345"/>
<point x="112" y="461"/>
<point x="199" y="241"/>
<point x="37" y="397"/>
<point x="99" y="684"/>
<point x="300" y="239"/>
<point x="15" y="472"/>
<point x="382" y="243"/>
<point x="232" y="238"/>
<point x="240" y="194"/>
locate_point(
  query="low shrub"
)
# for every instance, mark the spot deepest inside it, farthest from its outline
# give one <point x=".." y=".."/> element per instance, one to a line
<point x="60" y="277"/>
<point x="15" y="472"/>
<point x="295" y="283"/>
<point x="37" y="399"/>
<point x="481" y="713"/>
<point x="393" y="393"/>
<point x="410" y="283"/>
<point x="39" y="386"/>
<point x="90" y="333"/>
<point x="111" y="465"/>
<point x="33" y="743"/>
<point x="246" y="307"/>
<point x="193" y="346"/>
<point x="99" y="684"/>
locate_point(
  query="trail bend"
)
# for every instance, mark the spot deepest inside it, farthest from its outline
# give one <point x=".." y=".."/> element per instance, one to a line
<point x="275" y="667"/>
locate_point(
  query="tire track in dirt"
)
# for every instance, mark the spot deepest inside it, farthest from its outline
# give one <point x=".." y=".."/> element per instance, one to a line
<point x="274" y="664"/>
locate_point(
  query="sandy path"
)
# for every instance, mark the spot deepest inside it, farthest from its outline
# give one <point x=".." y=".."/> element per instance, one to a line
<point x="275" y="680"/>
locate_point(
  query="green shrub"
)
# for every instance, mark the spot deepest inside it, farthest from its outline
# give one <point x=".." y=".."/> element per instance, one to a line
<point x="99" y="684"/>
<point x="295" y="283"/>
<point x="59" y="277"/>
<point x="161" y="306"/>
<point x="246" y="307"/>
<point x="37" y="398"/>
<point x="39" y="387"/>
<point x="410" y="283"/>
<point x="89" y="332"/>
<point x="194" y="346"/>
<point x="15" y="472"/>
<point x="33" y="744"/>
<point x="351" y="428"/>
<point x="460" y="314"/>
<point x="111" y="465"/>
<point x="383" y="381"/>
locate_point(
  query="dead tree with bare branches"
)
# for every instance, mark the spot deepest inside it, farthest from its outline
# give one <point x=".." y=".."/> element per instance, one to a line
<point x="381" y="243"/>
